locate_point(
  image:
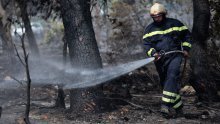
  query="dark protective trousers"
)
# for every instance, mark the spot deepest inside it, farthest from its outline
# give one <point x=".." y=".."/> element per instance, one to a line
<point x="168" y="68"/>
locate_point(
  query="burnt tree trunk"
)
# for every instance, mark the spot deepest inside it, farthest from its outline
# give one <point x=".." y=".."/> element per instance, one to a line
<point x="83" y="50"/>
<point x="201" y="78"/>
<point x="28" y="29"/>
<point x="60" y="101"/>
<point x="0" y="111"/>
<point x="28" y="88"/>
<point x="5" y="33"/>
<point x="80" y="35"/>
<point x="7" y="43"/>
<point x="64" y="51"/>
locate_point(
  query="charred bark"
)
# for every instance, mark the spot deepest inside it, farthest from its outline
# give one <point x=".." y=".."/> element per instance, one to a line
<point x="86" y="100"/>
<point x="28" y="29"/>
<point x="201" y="78"/>
<point x="83" y="50"/>
<point x="60" y="101"/>
<point x="80" y="35"/>
<point x="0" y="111"/>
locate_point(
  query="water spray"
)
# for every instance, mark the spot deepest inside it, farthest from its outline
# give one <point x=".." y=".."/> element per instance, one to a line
<point x="73" y="78"/>
<point x="107" y="74"/>
<point x="80" y="78"/>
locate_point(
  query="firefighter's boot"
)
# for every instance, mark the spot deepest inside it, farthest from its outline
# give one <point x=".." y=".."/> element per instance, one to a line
<point x="168" y="112"/>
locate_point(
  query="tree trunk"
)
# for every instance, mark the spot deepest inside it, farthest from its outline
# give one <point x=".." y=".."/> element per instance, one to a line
<point x="83" y="50"/>
<point x="60" y="101"/>
<point x="80" y="35"/>
<point x="201" y="79"/>
<point x="7" y="43"/>
<point x="64" y="51"/>
<point x="5" y="33"/>
<point x="28" y="30"/>
<point x="0" y="111"/>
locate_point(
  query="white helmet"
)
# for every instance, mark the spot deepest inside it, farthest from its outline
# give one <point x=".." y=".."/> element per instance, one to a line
<point x="157" y="9"/>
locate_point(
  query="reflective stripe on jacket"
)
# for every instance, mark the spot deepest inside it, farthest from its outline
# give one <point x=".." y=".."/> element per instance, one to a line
<point x="170" y="35"/>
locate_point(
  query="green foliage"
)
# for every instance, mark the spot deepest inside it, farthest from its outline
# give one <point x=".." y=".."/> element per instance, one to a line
<point x="55" y="32"/>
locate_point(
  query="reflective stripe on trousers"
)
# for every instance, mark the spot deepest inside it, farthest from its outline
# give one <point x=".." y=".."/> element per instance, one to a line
<point x="169" y="71"/>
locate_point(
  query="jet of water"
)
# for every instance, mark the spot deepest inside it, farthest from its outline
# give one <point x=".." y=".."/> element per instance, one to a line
<point x="73" y="78"/>
<point x="106" y="74"/>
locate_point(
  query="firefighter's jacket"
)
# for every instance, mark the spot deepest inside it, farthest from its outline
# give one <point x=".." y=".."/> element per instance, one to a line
<point x="168" y="35"/>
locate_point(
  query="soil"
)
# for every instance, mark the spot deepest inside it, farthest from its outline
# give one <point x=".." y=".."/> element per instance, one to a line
<point x="142" y="105"/>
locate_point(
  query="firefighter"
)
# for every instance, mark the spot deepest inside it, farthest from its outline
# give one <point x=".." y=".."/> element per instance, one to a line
<point x="161" y="36"/>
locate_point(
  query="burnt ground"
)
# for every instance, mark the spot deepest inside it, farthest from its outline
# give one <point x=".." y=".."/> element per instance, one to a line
<point x="142" y="106"/>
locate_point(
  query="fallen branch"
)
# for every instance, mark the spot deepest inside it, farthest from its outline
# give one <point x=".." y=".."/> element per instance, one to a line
<point x="202" y="105"/>
<point x="133" y="104"/>
<point x="140" y="95"/>
<point x="210" y="108"/>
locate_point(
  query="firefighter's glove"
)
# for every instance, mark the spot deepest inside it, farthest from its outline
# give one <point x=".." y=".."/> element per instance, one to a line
<point x="157" y="56"/>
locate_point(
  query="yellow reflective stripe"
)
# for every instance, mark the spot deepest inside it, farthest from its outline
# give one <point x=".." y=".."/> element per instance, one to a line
<point x="178" y="105"/>
<point x="177" y="97"/>
<point x="168" y="100"/>
<point x="153" y="33"/>
<point x="186" y="44"/>
<point x="180" y="28"/>
<point x="165" y="31"/>
<point x="150" y="51"/>
<point x="169" y="93"/>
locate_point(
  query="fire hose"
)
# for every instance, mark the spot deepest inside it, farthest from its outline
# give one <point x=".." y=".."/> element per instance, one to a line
<point x="163" y="53"/>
